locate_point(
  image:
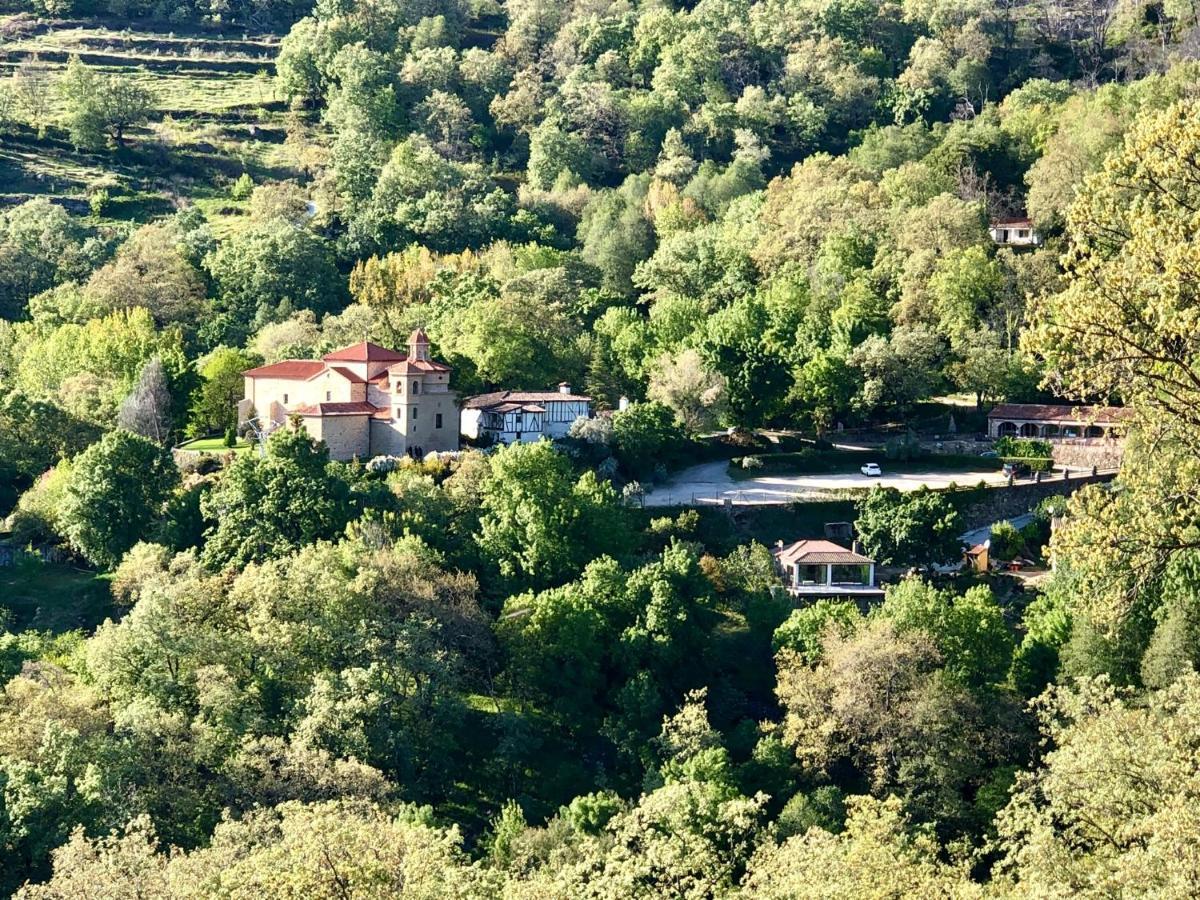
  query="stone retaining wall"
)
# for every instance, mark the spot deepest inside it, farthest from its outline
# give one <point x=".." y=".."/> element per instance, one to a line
<point x="1008" y="502"/>
<point x="1101" y="453"/>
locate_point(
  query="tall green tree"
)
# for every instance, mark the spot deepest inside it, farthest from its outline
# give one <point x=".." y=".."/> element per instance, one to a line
<point x="41" y="245"/>
<point x="34" y="434"/>
<point x="969" y="630"/>
<point x="101" y="106"/>
<point x="908" y="528"/>
<point x="264" y="273"/>
<point x="645" y="436"/>
<point x="1112" y="802"/>
<point x="214" y="402"/>
<point x="271" y="506"/>
<point x="736" y="344"/>
<point x="117" y="489"/>
<point x="540" y="523"/>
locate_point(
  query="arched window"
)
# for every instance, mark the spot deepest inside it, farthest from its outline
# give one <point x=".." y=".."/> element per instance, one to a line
<point x="1029" y="430"/>
<point x="1007" y="429"/>
<point x="416" y="387"/>
<point x="1095" y="431"/>
<point x="1049" y="431"/>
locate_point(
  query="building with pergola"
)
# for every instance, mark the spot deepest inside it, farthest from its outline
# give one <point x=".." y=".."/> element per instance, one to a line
<point x="815" y="569"/>
<point x="1053" y="422"/>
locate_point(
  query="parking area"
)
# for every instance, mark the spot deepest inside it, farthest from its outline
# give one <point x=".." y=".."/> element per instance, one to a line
<point x="710" y="484"/>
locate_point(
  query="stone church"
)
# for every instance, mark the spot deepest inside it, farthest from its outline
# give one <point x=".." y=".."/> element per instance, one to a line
<point x="362" y="401"/>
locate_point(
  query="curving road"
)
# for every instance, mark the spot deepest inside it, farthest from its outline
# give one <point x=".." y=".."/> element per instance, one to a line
<point x="710" y="483"/>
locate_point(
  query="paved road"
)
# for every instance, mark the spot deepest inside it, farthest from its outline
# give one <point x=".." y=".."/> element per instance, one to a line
<point x="709" y="483"/>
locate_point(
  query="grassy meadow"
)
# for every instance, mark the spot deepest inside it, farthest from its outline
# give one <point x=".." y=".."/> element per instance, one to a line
<point x="218" y="116"/>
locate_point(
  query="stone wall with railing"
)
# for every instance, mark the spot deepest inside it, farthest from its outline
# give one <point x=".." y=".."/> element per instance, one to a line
<point x="1009" y="501"/>
<point x="1082" y="453"/>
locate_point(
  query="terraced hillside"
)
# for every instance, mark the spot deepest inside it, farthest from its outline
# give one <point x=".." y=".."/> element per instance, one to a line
<point x="217" y="116"/>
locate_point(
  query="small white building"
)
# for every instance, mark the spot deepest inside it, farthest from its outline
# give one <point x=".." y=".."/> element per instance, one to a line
<point x="507" y="417"/>
<point x="1014" y="232"/>
<point x="815" y="569"/>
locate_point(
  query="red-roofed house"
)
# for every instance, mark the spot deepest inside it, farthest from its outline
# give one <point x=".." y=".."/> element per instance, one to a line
<point x="814" y="569"/>
<point x="1055" y="422"/>
<point x="362" y="401"/>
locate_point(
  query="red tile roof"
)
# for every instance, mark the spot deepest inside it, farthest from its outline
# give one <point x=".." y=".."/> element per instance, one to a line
<point x="820" y="552"/>
<point x="338" y="409"/>
<point x="364" y="351"/>
<point x="288" y="368"/>
<point x="418" y="365"/>
<point x="348" y="375"/>
<point x="1050" y="412"/>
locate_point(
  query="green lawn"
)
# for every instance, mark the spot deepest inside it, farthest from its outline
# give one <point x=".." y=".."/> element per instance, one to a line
<point x="217" y="115"/>
<point x="215" y="445"/>
<point x="53" y="597"/>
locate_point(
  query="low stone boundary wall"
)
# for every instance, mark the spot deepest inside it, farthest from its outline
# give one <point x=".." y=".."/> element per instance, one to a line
<point x="1085" y="453"/>
<point x="1010" y="501"/>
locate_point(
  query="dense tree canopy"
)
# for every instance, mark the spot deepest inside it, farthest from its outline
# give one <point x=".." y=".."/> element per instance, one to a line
<point x="745" y="228"/>
<point x="269" y="506"/>
<point x="116" y="490"/>
<point x="913" y="528"/>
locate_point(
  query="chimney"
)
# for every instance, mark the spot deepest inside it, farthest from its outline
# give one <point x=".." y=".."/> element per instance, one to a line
<point x="564" y="387"/>
<point x="856" y="547"/>
<point x="779" y="545"/>
<point x="623" y="403"/>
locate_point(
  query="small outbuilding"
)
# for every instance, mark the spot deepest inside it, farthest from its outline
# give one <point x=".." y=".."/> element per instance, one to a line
<point x="978" y="558"/>
<point x="1016" y="231"/>
<point x="815" y="569"/>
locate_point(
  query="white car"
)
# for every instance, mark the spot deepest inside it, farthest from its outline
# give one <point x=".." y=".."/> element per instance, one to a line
<point x="872" y="470"/>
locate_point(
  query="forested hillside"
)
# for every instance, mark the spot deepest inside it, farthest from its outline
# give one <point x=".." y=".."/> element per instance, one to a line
<point x="252" y="671"/>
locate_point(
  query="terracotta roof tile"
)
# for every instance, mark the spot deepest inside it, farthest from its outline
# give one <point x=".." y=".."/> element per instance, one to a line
<point x="338" y="409"/>
<point x="820" y="552"/>
<point x="288" y="368"/>
<point x="363" y="351"/>
<point x="1049" y="412"/>
<point x="418" y="365"/>
<point x="513" y="407"/>
<point x="348" y="375"/>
